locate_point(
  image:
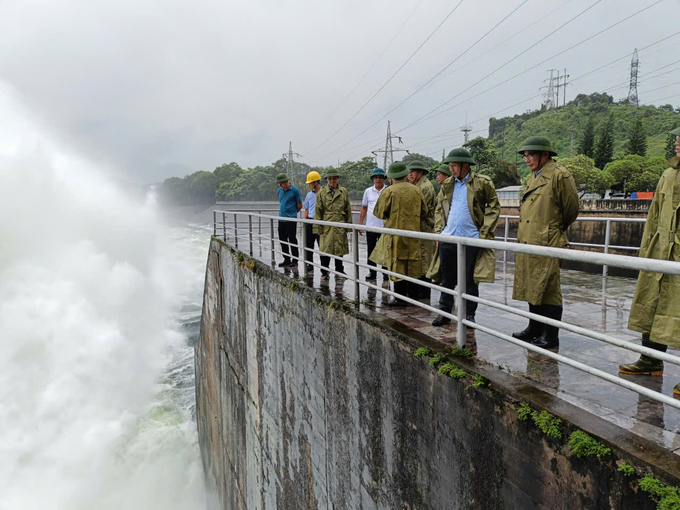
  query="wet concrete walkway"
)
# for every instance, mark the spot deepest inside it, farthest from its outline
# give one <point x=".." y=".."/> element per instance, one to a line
<point x="590" y="301"/>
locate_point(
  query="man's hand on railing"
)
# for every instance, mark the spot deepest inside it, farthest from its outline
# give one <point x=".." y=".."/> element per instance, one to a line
<point x="361" y="232"/>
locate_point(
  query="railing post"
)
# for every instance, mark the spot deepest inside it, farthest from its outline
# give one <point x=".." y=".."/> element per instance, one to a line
<point x="250" y="234"/>
<point x="224" y="226"/>
<point x="214" y="223"/>
<point x="271" y="240"/>
<point x="259" y="231"/>
<point x="355" y="262"/>
<point x="462" y="329"/>
<point x="303" y="238"/>
<point x="607" y="234"/>
<point x="507" y="234"/>
<point x="235" y="230"/>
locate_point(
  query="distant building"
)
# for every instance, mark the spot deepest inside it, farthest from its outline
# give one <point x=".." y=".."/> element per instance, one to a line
<point x="509" y="196"/>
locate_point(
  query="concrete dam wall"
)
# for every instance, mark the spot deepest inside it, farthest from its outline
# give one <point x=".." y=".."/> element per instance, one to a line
<point x="306" y="403"/>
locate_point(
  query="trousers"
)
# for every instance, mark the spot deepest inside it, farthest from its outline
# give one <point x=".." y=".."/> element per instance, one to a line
<point x="448" y="262"/>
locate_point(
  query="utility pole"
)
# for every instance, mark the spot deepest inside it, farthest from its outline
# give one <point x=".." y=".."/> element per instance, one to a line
<point x="466" y="129"/>
<point x="632" y="90"/>
<point x="557" y="91"/>
<point x="443" y="154"/>
<point x="389" y="150"/>
<point x="289" y="159"/>
<point x="564" y="97"/>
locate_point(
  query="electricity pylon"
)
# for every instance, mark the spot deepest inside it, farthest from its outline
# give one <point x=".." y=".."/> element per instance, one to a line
<point x="289" y="159"/>
<point x="632" y="90"/>
<point x="389" y="150"/>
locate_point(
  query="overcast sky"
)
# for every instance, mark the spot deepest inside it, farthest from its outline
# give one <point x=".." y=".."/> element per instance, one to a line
<point x="163" y="88"/>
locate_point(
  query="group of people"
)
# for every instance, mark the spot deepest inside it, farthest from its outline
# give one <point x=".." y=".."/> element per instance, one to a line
<point x="467" y="206"/>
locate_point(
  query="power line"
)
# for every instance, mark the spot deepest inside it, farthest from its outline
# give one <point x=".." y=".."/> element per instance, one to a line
<point x="425" y="117"/>
<point x="505" y="41"/>
<point x="430" y="80"/>
<point x="390" y="78"/>
<point x="422" y="119"/>
<point x="372" y="65"/>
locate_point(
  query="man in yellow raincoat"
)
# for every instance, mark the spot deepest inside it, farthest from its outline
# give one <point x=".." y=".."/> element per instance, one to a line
<point x="467" y="206"/>
<point x="418" y="176"/>
<point x="332" y="204"/>
<point x="549" y="205"/>
<point x="400" y="206"/>
<point x="655" y="311"/>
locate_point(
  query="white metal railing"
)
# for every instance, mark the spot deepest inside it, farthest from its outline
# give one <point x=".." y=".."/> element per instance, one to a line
<point x="222" y="228"/>
<point x="605" y="247"/>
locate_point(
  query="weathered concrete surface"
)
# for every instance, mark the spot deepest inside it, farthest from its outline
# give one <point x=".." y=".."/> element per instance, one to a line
<point x="305" y="404"/>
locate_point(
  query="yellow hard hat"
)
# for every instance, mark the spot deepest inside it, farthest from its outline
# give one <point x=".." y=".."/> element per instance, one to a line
<point x="313" y="176"/>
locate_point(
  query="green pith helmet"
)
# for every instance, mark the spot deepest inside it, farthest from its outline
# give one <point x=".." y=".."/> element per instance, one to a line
<point x="676" y="131"/>
<point x="281" y="178"/>
<point x="444" y="169"/>
<point x="418" y="165"/>
<point x="459" y="156"/>
<point x="397" y="170"/>
<point x="538" y="144"/>
<point x="378" y="172"/>
<point x="331" y="173"/>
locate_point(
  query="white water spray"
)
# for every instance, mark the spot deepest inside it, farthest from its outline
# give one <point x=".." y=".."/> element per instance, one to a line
<point x="88" y="286"/>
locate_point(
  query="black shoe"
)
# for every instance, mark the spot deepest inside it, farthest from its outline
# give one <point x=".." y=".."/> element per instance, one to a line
<point x="470" y="317"/>
<point x="441" y="321"/>
<point x="396" y="303"/>
<point x="528" y="334"/>
<point x="547" y="341"/>
<point x="285" y="263"/>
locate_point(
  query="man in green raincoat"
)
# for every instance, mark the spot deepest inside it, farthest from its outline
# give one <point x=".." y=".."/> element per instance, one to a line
<point x="443" y="173"/>
<point x="549" y="205"/>
<point x="655" y="311"/>
<point x="467" y="206"/>
<point x="332" y="204"/>
<point x="418" y="176"/>
<point x="400" y="206"/>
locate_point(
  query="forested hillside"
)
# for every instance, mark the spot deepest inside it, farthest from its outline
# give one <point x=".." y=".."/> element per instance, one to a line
<point x="508" y="133"/>
<point x="605" y="145"/>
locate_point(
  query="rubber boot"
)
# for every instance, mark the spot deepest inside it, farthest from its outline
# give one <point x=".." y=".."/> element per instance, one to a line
<point x="647" y="365"/>
<point x="550" y="338"/>
<point x="676" y="390"/>
<point x="535" y="328"/>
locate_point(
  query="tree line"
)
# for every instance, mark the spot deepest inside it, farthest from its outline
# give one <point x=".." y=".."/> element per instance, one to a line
<point x="611" y="152"/>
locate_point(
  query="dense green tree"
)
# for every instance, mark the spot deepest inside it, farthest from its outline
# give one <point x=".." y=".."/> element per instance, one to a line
<point x="427" y="160"/>
<point x="604" y="149"/>
<point x="670" y="146"/>
<point x="202" y="187"/>
<point x="643" y="181"/>
<point x="637" y="139"/>
<point x="175" y="190"/>
<point x="483" y="150"/>
<point x="589" y="179"/>
<point x="587" y="143"/>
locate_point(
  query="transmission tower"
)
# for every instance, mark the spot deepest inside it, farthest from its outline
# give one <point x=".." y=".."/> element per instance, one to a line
<point x="389" y="150"/>
<point x="466" y="129"/>
<point x="289" y="159"/>
<point x="549" y="96"/>
<point x="632" y="91"/>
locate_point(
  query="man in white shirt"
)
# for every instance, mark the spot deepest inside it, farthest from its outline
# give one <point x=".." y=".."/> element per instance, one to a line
<point x="367" y="204"/>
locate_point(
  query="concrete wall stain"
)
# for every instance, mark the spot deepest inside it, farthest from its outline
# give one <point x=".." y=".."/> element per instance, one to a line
<point x="300" y="406"/>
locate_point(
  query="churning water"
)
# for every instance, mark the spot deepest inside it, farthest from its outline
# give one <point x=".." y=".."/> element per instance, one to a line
<point x="99" y="308"/>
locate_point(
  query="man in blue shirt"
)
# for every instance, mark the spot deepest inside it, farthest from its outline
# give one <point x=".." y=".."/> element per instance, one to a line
<point x="290" y="202"/>
<point x="467" y="206"/>
<point x="309" y="206"/>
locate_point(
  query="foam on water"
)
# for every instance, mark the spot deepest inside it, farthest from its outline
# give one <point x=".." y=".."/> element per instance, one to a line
<point x="96" y="375"/>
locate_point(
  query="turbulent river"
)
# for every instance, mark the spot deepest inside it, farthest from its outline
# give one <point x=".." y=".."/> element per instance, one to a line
<point x="99" y="309"/>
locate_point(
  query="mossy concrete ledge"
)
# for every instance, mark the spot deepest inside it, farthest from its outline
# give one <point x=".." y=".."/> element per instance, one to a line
<point x="305" y="403"/>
